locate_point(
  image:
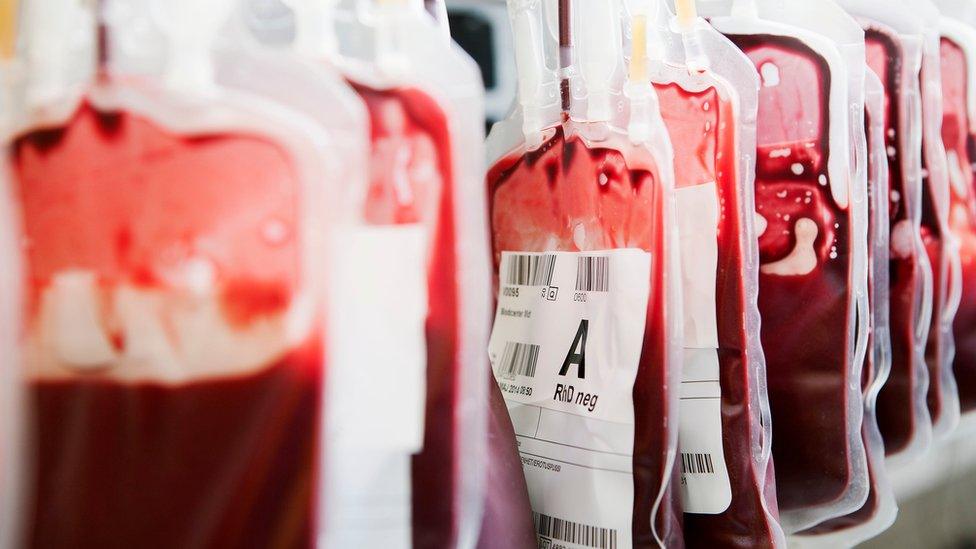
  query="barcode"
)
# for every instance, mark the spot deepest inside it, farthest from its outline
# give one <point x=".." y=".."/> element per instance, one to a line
<point x="519" y="359"/>
<point x="592" y="274"/>
<point x="696" y="464"/>
<point x="530" y="270"/>
<point x="574" y="532"/>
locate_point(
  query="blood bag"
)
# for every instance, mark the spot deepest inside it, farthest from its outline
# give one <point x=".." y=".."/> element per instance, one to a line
<point x="893" y="38"/>
<point x="810" y="194"/>
<point x="957" y="47"/>
<point x="174" y="348"/>
<point x="937" y="237"/>
<point x="708" y="94"/>
<point x="579" y="185"/>
<point x="424" y="99"/>
<point x="880" y="508"/>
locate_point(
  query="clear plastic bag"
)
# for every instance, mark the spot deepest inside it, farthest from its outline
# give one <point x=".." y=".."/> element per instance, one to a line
<point x="958" y="48"/>
<point x="893" y="37"/>
<point x="937" y="237"/>
<point x="708" y="94"/>
<point x="880" y="509"/>
<point x="424" y="98"/>
<point x="174" y="348"/>
<point x="811" y="165"/>
<point x="506" y="521"/>
<point x="580" y="188"/>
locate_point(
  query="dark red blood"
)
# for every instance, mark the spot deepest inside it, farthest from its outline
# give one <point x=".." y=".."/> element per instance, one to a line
<point x="874" y="453"/>
<point x="507" y="519"/>
<point x="702" y="128"/>
<point x="537" y="200"/>
<point x="807" y="333"/>
<point x="410" y="131"/>
<point x="895" y="408"/>
<point x="224" y="463"/>
<point x="958" y="136"/>
<point x="219" y="462"/>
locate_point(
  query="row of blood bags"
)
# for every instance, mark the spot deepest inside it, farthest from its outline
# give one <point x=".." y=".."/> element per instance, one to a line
<point x="736" y="263"/>
<point x="243" y="319"/>
<point x="245" y="284"/>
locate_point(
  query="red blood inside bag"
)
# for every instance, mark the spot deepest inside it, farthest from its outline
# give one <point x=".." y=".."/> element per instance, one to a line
<point x="895" y="407"/>
<point x="702" y="131"/>
<point x="567" y="196"/>
<point x="412" y="181"/>
<point x="194" y="241"/>
<point x="805" y="280"/>
<point x="934" y="240"/>
<point x="874" y="451"/>
<point x="957" y="135"/>
<point x="506" y="522"/>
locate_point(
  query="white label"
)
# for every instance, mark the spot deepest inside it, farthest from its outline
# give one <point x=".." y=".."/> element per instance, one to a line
<point x="379" y="348"/>
<point x="565" y="349"/>
<point x="377" y="380"/>
<point x="705" y="486"/>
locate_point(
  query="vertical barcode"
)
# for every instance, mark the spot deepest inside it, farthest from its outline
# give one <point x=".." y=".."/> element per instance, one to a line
<point x="696" y="464"/>
<point x="592" y="274"/>
<point x="530" y="270"/>
<point x="519" y="359"/>
<point x="574" y="532"/>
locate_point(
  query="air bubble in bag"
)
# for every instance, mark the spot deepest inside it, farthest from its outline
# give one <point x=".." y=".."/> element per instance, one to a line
<point x="174" y="348"/>
<point x="576" y="182"/>
<point x="893" y="39"/>
<point x="810" y="194"/>
<point x="708" y="94"/>
<point x="958" y="55"/>
<point x="880" y="509"/>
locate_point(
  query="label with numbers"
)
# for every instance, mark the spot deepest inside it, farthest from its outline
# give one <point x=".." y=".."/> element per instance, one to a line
<point x="705" y="487"/>
<point x="565" y="349"/>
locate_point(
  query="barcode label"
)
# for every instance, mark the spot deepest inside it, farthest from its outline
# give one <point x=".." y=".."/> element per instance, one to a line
<point x="519" y="359"/>
<point x="574" y="532"/>
<point x="530" y="270"/>
<point x="592" y="274"/>
<point x="697" y="464"/>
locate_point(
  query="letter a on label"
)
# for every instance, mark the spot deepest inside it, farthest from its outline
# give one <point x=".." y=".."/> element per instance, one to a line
<point x="577" y="358"/>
